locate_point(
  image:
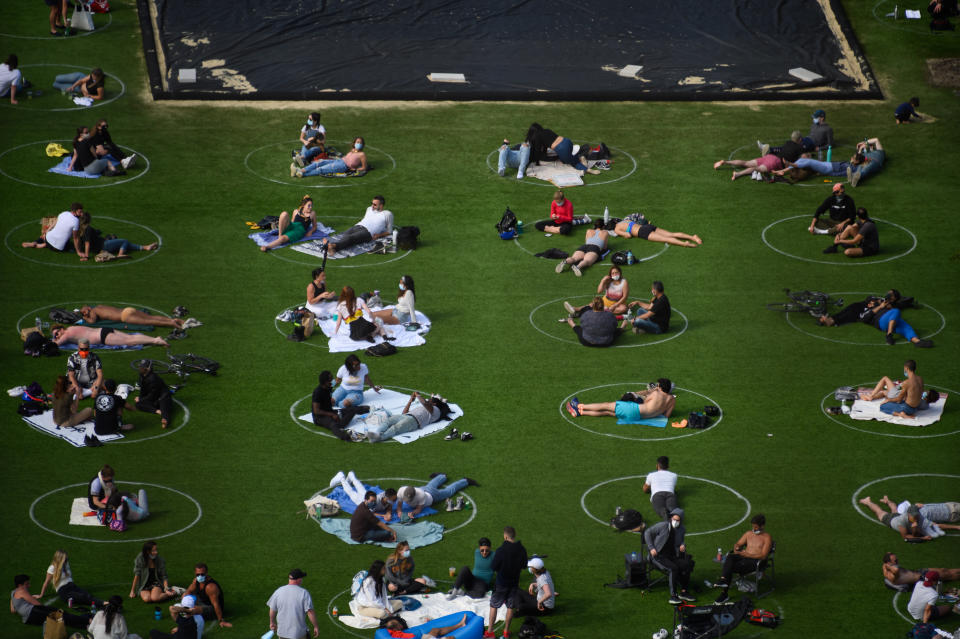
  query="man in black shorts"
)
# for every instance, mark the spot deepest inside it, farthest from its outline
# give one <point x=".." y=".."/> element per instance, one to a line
<point x="108" y="411"/>
<point x="839" y="207"/>
<point x="860" y="239"/>
<point x="509" y="561"/>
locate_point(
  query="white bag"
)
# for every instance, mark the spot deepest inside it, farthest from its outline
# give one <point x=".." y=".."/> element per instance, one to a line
<point x="320" y="506"/>
<point x="82" y="17"/>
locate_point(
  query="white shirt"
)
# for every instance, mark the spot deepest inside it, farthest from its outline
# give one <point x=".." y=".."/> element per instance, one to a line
<point x="352" y="381"/>
<point x="367" y="595"/>
<point x="377" y="222"/>
<point x="66" y="575"/>
<point x="661" y="481"/>
<point x="406" y="304"/>
<point x="62" y="232"/>
<point x="8" y="77"/>
<point x="421" y="498"/>
<point x="922" y="595"/>
<point x="423" y="416"/>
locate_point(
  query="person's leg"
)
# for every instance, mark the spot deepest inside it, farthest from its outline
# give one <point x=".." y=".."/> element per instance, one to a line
<point x="667" y="565"/>
<point x="350" y="237"/>
<point x="119" y="338"/>
<point x="874" y="508"/>
<point x="684" y="570"/>
<point x="659" y="503"/>
<point x="65" y="80"/>
<point x="79" y="595"/>
<point x="564" y="152"/>
<point x="325" y="167"/>
<point x="603" y="409"/>
<point x="523" y="161"/>
<point x="96" y="167"/>
<point x="902" y="328"/>
<point x="646" y="326"/>
<point x="353" y="487"/>
<point x="575" y="258"/>
<point x="376" y="613"/>
<point x="448" y="491"/>
<point x="589" y="259"/>
<point x="674" y="237"/>
<point x="402" y="424"/>
<point x="880" y="390"/>
<point x="507" y="158"/>
<point x="82" y="415"/>
<point x="377" y="534"/>
<point x="465" y="579"/>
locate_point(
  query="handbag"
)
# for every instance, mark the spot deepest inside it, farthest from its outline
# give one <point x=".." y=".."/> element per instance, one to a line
<point x="53" y="626"/>
<point x="360" y="328"/>
<point x="82" y="17"/>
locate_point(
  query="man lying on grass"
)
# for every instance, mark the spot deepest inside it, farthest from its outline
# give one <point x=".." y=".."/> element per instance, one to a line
<point x="650" y="402"/>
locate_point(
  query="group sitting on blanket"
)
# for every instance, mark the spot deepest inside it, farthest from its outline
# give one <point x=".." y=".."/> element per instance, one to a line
<point x="91" y="155"/>
<point x="354" y="161"/>
<point x="903" y="399"/>
<point x="884" y="314"/>
<point x="71" y="231"/>
<point x="538" y="144"/>
<point x="377" y="222"/>
<point x="655" y="401"/>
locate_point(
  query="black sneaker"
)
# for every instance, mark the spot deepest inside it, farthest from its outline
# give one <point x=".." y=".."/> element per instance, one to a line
<point x="454" y="434"/>
<point x="686" y="596"/>
<point x="723" y="598"/>
<point x="889" y="339"/>
<point x="923" y="343"/>
<point x="674" y="600"/>
<point x="471" y="482"/>
<point x="831" y="249"/>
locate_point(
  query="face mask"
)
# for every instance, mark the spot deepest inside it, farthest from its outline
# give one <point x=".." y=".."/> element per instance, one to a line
<point x="84" y="354"/>
<point x="358" y="145"/>
<point x="675" y="523"/>
<point x="530" y="570"/>
<point x="757" y="531"/>
<point x="615" y="278"/>
<point x="815" y="120"/>
<point x="154" y="554"/>
<point x="309" y="122"/>
<point x="906" y="374"/>
<point x="402" y="287"/>
<point x="201" y="579"/>
<point x="405" y="554"/>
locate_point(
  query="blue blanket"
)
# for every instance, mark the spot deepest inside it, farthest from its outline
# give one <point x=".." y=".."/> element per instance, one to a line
<point x="659" y="422"/>
<point x="263" y="238"/>
<point x="62" y="169"/>
<point x="70" y="346"/>
<point x="339" y="495"/>
<point x="422" y="533"/>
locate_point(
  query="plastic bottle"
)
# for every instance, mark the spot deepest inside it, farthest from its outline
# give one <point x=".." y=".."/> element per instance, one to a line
<point x="157" y="614"/>
<point x="38" y="323"/>
<point x="719" y="555"/>
<point x="633" y="556"/>
<point x="606" y="215"/>
<point x="335" y="612"/>
<point x="519" y="227"/>
<point x="820" y="153"/>
<point x="395" y="236"/>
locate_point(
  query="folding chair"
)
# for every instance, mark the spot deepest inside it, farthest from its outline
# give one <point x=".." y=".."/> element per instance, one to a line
<point x="750" y="581"/>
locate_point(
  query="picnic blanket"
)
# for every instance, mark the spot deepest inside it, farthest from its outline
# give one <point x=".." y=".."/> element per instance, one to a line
<point x="555" y="172"/>
<point x="120" y="326"/>
<point x="74" y="436"/>
<point x="863" y="410"/>
<point x="71" y="346"/>
<point x="262" y="238"/>
<point x="315" y="248"/>
<point x="341" y="342"/>
<point x="393" y="402"/>
<point x="422" y="533"/>
<point x="347" y="505"/>
<point x="432" y="606"/>
<point x="78" y="513"/>
<point x="658" y="422"/>
<point x="62" y="169"/>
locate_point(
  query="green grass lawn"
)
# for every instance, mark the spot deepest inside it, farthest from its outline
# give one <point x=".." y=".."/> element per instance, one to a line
<point x="495" y="348"/>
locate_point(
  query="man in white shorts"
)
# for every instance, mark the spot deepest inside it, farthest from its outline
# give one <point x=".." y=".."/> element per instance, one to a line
<point x="377" y="222"/>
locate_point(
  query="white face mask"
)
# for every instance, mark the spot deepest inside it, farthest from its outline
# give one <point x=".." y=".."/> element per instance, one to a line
<point x="615" y="278"/>
<point x="674" y="523"/>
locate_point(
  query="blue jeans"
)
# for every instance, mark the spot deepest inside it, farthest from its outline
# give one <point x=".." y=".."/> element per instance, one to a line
<point x="377" y="534"/>
<point x="340" y="393"/>
<point x="897" y="407"/>
<point x="439" y="494"/>
<point x="647" y="326"/>
<point x="514" y="159"/>
<point x="312" y="152"/>
<point x="900" y="327"/>
<point x="120" y="244"/>
<point x="564" y="151"/>
<point x="325" y="167"/>
<point x="393" y="426"/>
<point x="870" y="168"/>
<point x="836" y="169"/>
<point x="65" y="80"/>
<point x="96" y="167"/>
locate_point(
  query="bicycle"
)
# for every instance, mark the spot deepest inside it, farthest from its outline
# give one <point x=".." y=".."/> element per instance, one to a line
<point x="182" y="365"/>
<point x="814" y="302"/>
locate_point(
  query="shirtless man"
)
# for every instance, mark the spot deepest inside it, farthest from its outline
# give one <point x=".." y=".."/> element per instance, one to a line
<point x="749" y="554"/>
<point x="910" y="398"/>
<point x="650" y="402"/>
<point x="128" y="315"/>
<point x="908" y="524"/>
<point x="902" y="579"/>
<point x="109" y="336"/>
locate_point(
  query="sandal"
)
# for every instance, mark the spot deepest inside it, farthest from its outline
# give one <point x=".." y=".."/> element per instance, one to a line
<point x="454" y="434"/>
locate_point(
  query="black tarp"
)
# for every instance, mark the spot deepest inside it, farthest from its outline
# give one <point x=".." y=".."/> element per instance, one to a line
<point x="534" y="49"/>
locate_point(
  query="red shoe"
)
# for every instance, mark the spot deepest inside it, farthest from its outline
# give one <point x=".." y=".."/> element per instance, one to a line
<point x="489" y="635"/>
<point x="506" y="634"/>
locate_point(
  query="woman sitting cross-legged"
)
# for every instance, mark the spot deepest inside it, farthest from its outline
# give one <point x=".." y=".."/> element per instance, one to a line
<point x="615" y="291"/>
<point x="399" y="573"/>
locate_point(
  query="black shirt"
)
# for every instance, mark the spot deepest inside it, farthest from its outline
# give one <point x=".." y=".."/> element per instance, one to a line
<point x="509" y="561"/>
<point x="106" y="416"/>
<point x="85" y="155"/>
<point x="152" y="388"/>
<point x="660" y="307"/>
<point x="841" y="210"/>
<point x="871" y="239"/>
<point x="322" y="397"/>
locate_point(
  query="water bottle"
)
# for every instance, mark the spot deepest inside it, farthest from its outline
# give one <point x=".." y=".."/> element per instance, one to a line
<point x="157" y="614"/>
<point x="395" y="237"/>
<point x="519" y="227"/>
<point x="606" y="215"/>
<point x="820" y="154"/>
<point x="719" y="555"/>
<point x="335" y="612"/>
<point x="633" y="556"/>
<point x="630" y="258"/>
<point x="38" y="323"/>
<point x="829" y="152"/>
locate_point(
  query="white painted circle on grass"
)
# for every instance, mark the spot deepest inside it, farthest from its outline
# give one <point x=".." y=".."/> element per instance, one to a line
<point x="657" y="338"/>
<point x="107" y="182"/>
<point x="583" y="502"/>
<point x="698" y="431"/>
<point x="849" y="261"/>
<point x="902" y="342"/>
<point x="537" y="182"/>
<point x="317" y="430"/>
<point x="420" y="482"/>
<point x="642" y="259"/>
<point x="125" y="540"/>
<point x="871" y="517"/>
<point x="323" y="183"/>
<point x="90" y="263"/>
<point x="833" y="418"/>
<point x="77" y="32"/>
<point x="315" y="261"/>
<point x="53" y="91"/>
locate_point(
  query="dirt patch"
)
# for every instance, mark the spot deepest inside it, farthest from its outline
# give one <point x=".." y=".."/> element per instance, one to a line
<point x="944" y="72"/>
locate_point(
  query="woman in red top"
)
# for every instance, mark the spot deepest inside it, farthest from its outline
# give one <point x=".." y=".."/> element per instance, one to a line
<point x="561" y="216"/>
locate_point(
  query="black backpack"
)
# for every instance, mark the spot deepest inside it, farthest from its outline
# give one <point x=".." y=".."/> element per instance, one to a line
<point x="407" y="237"/>
<point x="507" y="224"/>
<point x="627" y="520"/>
<point x="599" y="152"/>
<point x="698" y="420"/>
<point x="36" y="345"/>
<point x="634" y="574"/>
<point x="533" y="628"/>
<point x="62" y="316"/>
<point x="381" y="350"/>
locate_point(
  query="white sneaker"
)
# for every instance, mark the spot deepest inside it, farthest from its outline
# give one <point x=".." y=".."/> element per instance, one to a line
<point x="339" y="477"/>
<point x="576" y="270"/>
<point x="586" y="219"/>
<point x="192" y="322"/>
<point x="562" y="265"/>
<point x="293" y="169"/>
<point x="570" y="308"/>
<point x="459" y="504"/>
<point x="178" y="589"/>
<point x="449" y="505"/>
<point x="351" y="477"/>
<point x="430" y="582"/>
<point x="128" y="161"/>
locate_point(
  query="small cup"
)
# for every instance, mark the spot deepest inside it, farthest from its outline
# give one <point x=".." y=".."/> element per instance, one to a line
<point x="453" y="570"/>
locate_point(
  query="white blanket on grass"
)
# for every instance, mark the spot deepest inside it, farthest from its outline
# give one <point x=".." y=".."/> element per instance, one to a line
<point x="341" y="342"/>
<point x="555" y="172"/>
<point x="74" y="436"/>
<point x="863" y="410"/>
<point x="393" y="402"/>
<point x="78" y="516"/>
<point x="432" y="606"/>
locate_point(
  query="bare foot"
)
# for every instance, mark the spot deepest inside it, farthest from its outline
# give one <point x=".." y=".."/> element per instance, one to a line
<point x="263" y="249"/>
<point x="178" y="322"/>
<point x="150" y="247"/>
<point x="161" y="342"/>
<point x="163" y="423"/>
<point x="717" y="164"/>
<point x="696" y="238"/>
<point x="865" y="501"/>
<point x="733" y="177"/>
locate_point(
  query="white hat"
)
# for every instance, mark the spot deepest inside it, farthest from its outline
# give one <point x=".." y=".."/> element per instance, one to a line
<point x="188" y="601"/>
<point x="536" y="562"/>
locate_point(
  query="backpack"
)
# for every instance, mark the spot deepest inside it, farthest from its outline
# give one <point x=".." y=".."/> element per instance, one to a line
<point x="31" y="407"/>
<point x="407" y="237"/>
<point x="533" y="628"/>
<point x="765" y="618"/>
<point x="319" y="506"/>
<point x="634" y="575"/>
<point x="357" y="582"/>
<point x="383" y="349"/>
<point x="922" y="631"/>
<point x="507" y="226"/>
<point x="62" y="316"/>
<point x="599" y="152"/>
<point x="627" y="520"/>
<point x="846" y="394"/>
<point x="698" y="420"/>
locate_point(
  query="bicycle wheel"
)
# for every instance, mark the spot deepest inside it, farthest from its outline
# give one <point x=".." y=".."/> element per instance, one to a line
<point x="160" y="367"/>
<point x="195" y="364"/>
<point x="786" y="307"/>
<point x="809" y="297"/>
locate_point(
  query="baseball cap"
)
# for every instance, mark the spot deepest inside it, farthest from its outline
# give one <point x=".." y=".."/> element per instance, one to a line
<point x="819" y="113"/>
<point x="188" y="601"/>
<point x="296" y="573"/>
<point x="930" y="578"/>
<point x="536" y="562"/>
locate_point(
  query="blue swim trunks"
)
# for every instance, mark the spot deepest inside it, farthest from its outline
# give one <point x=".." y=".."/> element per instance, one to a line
<point x="628" y="411"/>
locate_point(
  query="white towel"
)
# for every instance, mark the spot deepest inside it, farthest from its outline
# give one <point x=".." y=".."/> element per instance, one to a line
<point x="863" y="410"/>
<point x="432" y="606"/>
<point x="44" y="423"/>
<point x="77" y="516"/>
<point x="341" y="342"/>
